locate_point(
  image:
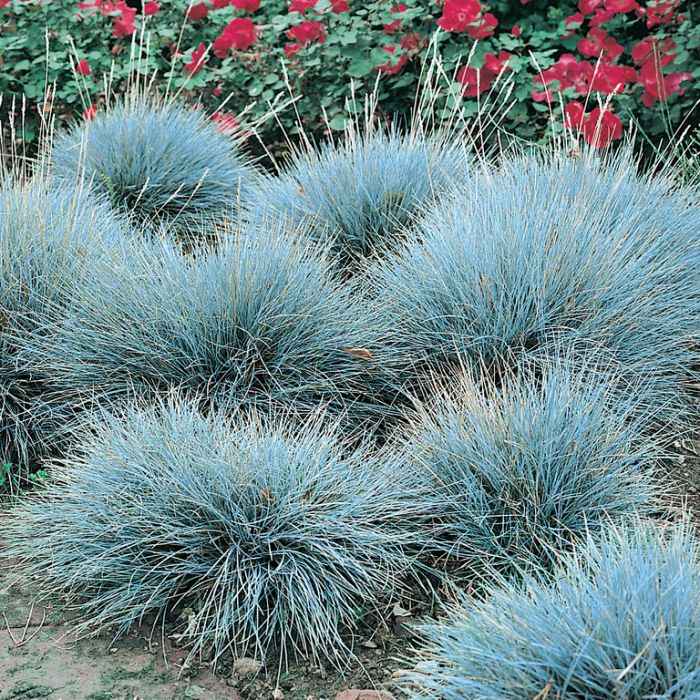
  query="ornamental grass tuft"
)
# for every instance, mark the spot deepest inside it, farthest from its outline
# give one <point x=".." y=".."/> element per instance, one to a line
<point x="523" y="471"/>
<point x="620" y="620"/>
<point x="50" y="242"/>
<point x="544" y="253"/>
<point x="169" y="168"/>
<point x="258" y="323"/>
<point x="273" y="534"/>
<point x="361" y="195"/>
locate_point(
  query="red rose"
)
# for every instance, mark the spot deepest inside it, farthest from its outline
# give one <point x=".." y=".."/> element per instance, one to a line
<point x="90" y="113"/>
<point x="238" y="34"/>
<point x="197" y="62"/>
<point x="457" y="15"/>
<point x="484" y="28"/>
<point x="246" y="5"/>
<point x="83" y="67"/>
<point x="150" y="8"/>
<point x="597" y="44"/>
<point x="516" y="31"/>
<point x="598" y="128"/>
<point x="393" y="26"/>
<point x="301" y="6"/>
<point x="307" y="32"/>
<point x="339" y="6"/>
<point x="198" y="12"/>
<point x="226" y="122"/>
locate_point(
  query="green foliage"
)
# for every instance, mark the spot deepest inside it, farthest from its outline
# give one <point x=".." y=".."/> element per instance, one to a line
<point x="349" y="50"/>
<point x="14" y="479"/>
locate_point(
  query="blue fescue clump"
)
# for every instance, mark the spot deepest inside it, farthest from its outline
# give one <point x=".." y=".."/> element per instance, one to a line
<point x="166" y="166"/>
<point x="622" y="620"/>
<point x="544" y="253"/>
<point x="50" y="241"/>
<point x="360" y="195"/>
<point x="259" y="323"/>
<point x="274" y="534"/>
<point x="521" y="472"/>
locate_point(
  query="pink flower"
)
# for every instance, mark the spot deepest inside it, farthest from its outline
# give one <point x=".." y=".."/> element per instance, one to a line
<point x="659" y="13"/>
<point x="198" y="12"/>
<point x="150" y="8"/>
<point x="516" y="31"/>
<point x="652" y="48"/>
<point x="197" y="62"/>
<point x="82" y="67"/>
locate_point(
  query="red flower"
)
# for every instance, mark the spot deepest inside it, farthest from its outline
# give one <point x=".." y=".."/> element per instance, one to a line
<point x="198" y="12"/>
<point x="220" y="4"/>
<point x="621" y="6"/>
<point x="246" y="5"/>
<point x="393" y="26"/>
<point x="612" y="79"/>
<point x="516" y="31"/>
<point x="82" y="67"/>
<point x="652" y="48"/>
<point x="476" y="81"/>
<point x="339" y="6"/>
<point x="588" y="7"/>
<point x="597" y="44"/>
<point x="90" y="113"/>
<point x="457" y="15"/>
<point x="573" y="22"/>
<point x="392" y="68"/>
<point x="658" y="87"/>
<point x="217" y="91"/>
<point x="124" y="24"/>
<point x="598" y="128"/>
<point x="150" y="8"/>
<point x="659" y="12"/>
<point x="291" y="50"/>
<point x="301" y="6"/>
<point x="238" y="34"/>
<point x="307" y="32"/>
<point x="569" y="73"/>
<point x="197" y="62"/>
<point x="484" y="29"/>
<point x="226" y="122"/>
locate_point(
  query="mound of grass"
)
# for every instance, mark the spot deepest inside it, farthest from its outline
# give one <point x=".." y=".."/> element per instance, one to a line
<point x="621" y="620"/>
<point x="521" y="472"/>
<point x="167" y="167"/>
<point x="275" y="534"/>
<point x="360" y="196"/>
<point x="545" y="253"/>
<point x="259" y="323"/>
<point x="50" y="242"/>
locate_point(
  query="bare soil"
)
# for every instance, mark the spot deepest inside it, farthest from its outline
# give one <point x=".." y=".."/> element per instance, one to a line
<point x="40" y="658"/>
